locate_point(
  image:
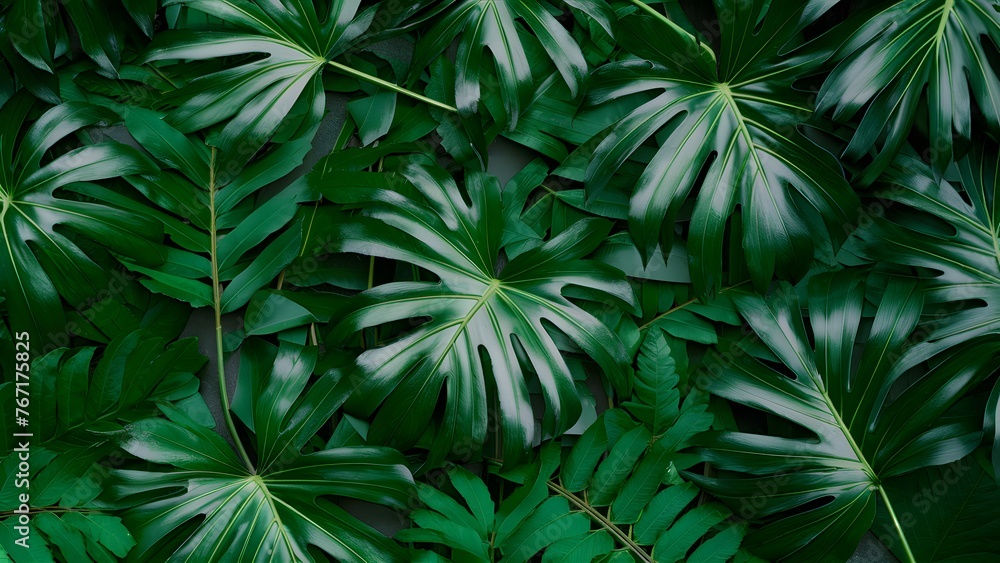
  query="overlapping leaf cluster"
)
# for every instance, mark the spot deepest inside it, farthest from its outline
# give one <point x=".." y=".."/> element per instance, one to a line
<point x="737" y="300"/>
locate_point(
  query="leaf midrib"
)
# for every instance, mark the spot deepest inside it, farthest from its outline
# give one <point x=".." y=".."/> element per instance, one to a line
<point x="596" y="516"/>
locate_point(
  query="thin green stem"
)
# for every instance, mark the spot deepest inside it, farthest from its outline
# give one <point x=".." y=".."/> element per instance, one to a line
<point x="899" y="528"/>
<point x="159" y="73"/>
<point x="686" y="303"/>
<point x="616" y="532"/>
<point x="220" y="362"/>
<point x="649" y="10"/>
<point x="388" y="85"/>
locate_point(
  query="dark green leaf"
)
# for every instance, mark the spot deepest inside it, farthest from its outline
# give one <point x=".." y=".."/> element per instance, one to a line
<point x="736" y="119"/>
<point x="836" y="389"/>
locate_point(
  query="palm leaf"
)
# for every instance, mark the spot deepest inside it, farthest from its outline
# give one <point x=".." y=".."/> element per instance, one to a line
<point x="957" y="506"/>
<point x="494" y="25"/>
<point x="617" y="490"/>
<point x="206" y="212"/>
<point x="37" y="33"/>
<point x="958" y="258"/>
<point x="257" y="96"/>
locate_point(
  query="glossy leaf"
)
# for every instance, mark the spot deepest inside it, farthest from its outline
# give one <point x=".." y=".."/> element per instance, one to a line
<point x="253" y="241"/>
<point x="727" y="125"/>
<point x="958" y="254"/>
<point x="75" y="406"/>
<point x="620" y="465"/>
<point x="40" y="264"/>
<point x="951" y="510"/>
<point x="655" y="385"/>
<point x="478" y="313"/>
<point x="37" y="32"/>
<point x="495" y="25"/>
<point x="257" y="97"/>
<point x="891" y="59"/>
<point x="814" y="495"/>
<point x="210" y="506"/>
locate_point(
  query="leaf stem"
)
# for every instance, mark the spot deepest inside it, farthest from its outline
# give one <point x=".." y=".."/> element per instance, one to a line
<point x="686" y="303"/>
<point x="220" y="362"/>
<point x="649" y="10"/>
<point x="899" y="528"/>
<point x="388" y="85"/>
<point x="594" y="514"/>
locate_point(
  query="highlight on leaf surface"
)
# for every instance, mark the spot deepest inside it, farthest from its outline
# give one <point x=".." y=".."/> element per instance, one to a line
<point x="490" y="327"/>
<point x="198" y="500"/>
<point x="79" y="402"/>
<point x="615" y="493"/>
<point x="834" y="383"/>
<point x="44" y="193"/>
<point x="911" y="49"/>
<point x="728" y="127"/>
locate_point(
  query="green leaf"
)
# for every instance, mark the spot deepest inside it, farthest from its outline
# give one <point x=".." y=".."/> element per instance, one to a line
<point x="257" y="95"/>
<point x="583" y="458"/>
<point x="75" y="411"/>
<point x="950" y="511"/>
<point x="852" y="438"/>
<point x="373" y="114"/>
<point x="543" y="514"/>
<point x="661" y="512"/>
<point x="474" y="308"/>
<point x="210" y="504"/>
<point x="675" y="542"/>
<point x="889" y="61"/>
<point x="272" y="311"/>
<point x="41" y="264"/>
<point x="620" y="252"/>
<point x="476" y="495"/>
<point x="720" y="547"/>
<point x="615" y="468"/>
<point x="264" y="268"/>
<point x="494" y="25"/>
<point x="586" y="548"/>
<point x="655" y="385"/>
<point x="948" y="229"/>
<point x="727" y="127"/>
<point x="40" y="36"/>
<point x="254" y="241"/>
<point x="552" y="521"/>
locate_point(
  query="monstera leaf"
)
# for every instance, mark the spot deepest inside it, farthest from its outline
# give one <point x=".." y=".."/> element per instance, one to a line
<point x="300" y="41"/>
<point x="74" y="406"/>
<point x="950" y="231"/>
<point x="814" y="492"/>
<point x="41" y="262"/>
<point x="490" y="327"/>
<point x="493" y="25"/>
<point x="728" y="128"/>
<point x="887" y="64"/>
<point x="211" y="506"/>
